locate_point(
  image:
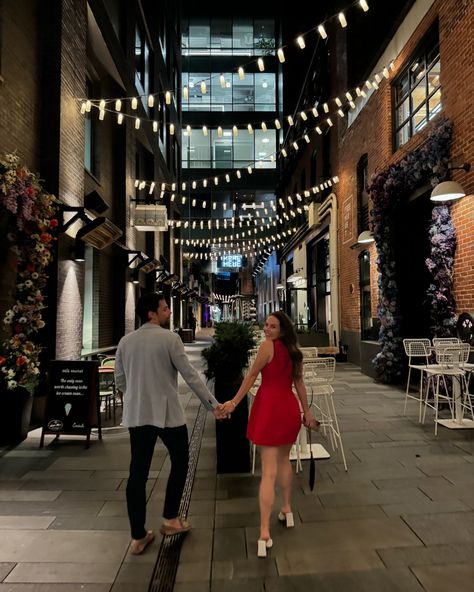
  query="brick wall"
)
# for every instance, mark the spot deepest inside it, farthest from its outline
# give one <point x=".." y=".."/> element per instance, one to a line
<point x="371" y="133"/>
<point x="72" y="74"/>
<point x="19" y="90"/>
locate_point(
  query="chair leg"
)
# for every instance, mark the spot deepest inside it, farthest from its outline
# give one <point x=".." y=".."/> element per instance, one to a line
<point x="406" y="391"/>
<point x="254" y="454"/>
<point x="338" y="432"/>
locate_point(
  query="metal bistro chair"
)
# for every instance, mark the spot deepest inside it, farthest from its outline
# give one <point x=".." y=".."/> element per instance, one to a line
<point x="318" y="376"/>
<point x="450" y="360"/>
<point x="416" y="349"/>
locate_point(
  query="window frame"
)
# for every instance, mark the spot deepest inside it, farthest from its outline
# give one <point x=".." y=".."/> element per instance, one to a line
<point x="427" y="54"/>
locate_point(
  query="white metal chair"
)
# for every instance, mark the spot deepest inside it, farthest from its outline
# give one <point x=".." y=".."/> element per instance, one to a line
<point x="416" y="349"/>
<point x="318" y="376"/>
<point x="449" y="362"/>
<point x="309" y="353"/>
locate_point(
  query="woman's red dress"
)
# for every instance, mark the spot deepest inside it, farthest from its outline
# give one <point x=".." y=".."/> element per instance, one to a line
<point x="275" y="417"/>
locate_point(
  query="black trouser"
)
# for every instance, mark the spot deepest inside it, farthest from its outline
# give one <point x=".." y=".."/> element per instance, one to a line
<point x="142" y="443"/>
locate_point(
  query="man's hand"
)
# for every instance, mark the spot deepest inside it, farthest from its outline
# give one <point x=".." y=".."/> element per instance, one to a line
<point x="220" y="413"/>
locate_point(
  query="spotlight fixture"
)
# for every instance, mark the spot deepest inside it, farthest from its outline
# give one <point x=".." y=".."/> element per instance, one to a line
<point x="134" y="276"/>
<point x="78" y="250"/>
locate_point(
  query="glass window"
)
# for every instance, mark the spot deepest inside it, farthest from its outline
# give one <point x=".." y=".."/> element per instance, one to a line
<point x="265" y="92"/>
<point x="221" y="98"/>
<point x="418" y="91"/>
<point x="244" y="153"/>
<point x="264" y="37"/>
<point x="199" y="36"/>
<point x="362" y="194"/>
<point x="368" y="325"/>
<point x="242" y="34"/>
<point x="265" y="147"/>
<point x="197" y="100"/>
<point x="222" y="149"/>
<point x="221" y="36"/>
<point x="142" y="62"/>
<point x="243" y="93"/>
<point x="199" y="150"/>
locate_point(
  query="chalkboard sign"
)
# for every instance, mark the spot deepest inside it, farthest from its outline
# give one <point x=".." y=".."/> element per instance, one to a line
<point x="73" y="405"/>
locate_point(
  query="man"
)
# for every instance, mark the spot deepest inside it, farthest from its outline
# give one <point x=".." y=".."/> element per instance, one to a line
<point x="146" y="367"/>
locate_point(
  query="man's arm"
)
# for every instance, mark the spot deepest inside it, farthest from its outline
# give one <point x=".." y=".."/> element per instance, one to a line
<point x="119" y="374"/>
<point x="189" y="373"/>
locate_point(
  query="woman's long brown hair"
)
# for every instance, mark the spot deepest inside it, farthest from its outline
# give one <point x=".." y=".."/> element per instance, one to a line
<point x="288" y="338"/>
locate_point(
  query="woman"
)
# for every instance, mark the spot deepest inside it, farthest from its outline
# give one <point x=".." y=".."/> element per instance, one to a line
<point x="275" y="419"/>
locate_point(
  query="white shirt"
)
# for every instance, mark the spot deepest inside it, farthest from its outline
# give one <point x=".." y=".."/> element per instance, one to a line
<point x="146" y="371"/>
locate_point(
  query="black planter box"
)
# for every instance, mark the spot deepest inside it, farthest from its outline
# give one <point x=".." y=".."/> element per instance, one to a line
<point x="232" y="445"/>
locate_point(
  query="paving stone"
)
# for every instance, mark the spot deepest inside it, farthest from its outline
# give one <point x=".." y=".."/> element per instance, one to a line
<point x="25" y="522"/>
<point x="68" y="573"/>
<point x="238" y="585"/>
<point x="5" y="569"/>
<point x="441" y="528"/>
<point x="316" y="514"/>
<point x="439" y="578"/>
<point x="370" y="533"/>
<point x="432" y="555"/>
<point x="307" y="562"/>
<point x="425" y="507"/>
<point x="28" y="496"/>
<point x="194" y="572"/>
<point x="197" y="546"/>
<point x="237" y="520"/>
<point x="135" y="573"/>
<point x="367" y="497"/>
<point x="407" y="482"/>
<point x="51" y="587"/>
<point x="229" y="544"/>
<point x="394" y="580"/>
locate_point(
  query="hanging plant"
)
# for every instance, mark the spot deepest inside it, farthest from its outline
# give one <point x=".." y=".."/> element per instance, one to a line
<point x="441" y="266"/>
<point x="428" y="162"/>
<point x="29" y="215"/>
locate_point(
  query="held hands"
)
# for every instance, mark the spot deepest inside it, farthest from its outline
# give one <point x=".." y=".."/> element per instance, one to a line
<point x="228" y="407"/>
<point x="310" y="422"/>
<point x="219" y="412"/>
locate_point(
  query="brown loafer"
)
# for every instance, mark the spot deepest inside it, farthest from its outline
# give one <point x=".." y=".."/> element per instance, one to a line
<point x="137" y="546"/>
<point x="167" y="530"/>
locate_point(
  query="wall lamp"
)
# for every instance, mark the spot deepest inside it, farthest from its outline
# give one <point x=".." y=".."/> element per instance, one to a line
<point x="450" y="190"/>
<point x="365" y="237"/>
<point x="149" y="264"/>
<point x="134" y="275"/>
<point x="78" y="250"/>
<point x="100" y="232"/>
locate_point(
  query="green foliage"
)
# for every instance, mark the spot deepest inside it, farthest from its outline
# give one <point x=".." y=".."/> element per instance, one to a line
<point x="227" y="356"/>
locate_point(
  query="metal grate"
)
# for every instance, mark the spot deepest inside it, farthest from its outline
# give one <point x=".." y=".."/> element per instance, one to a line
<point x="166" y="566"/>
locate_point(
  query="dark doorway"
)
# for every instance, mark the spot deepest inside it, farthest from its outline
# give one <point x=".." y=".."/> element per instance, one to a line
<point x="411" y="222"/>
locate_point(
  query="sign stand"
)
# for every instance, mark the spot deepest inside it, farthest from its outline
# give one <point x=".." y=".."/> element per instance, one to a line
<point x="73" y="401"/>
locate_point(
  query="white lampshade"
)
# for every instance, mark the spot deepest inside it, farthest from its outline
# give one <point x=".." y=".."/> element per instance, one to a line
<point x="447" y="191"/>
<point x="365" y="237"/>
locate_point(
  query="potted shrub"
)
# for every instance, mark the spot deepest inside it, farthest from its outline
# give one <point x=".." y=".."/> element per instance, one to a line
<point x="225" y="361"/>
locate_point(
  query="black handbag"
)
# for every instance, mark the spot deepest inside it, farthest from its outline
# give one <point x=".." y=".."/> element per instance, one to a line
<point x="312" y="464"/>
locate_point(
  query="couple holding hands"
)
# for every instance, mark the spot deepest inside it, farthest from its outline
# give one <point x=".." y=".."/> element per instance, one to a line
<point x="146" y="367"/>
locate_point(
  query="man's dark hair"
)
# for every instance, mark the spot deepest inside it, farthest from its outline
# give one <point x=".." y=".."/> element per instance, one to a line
<point x="148" y="303"/>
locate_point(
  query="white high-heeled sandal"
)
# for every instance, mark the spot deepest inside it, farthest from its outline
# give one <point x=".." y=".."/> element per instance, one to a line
<point x="288" y="518"/>
<point x="262" y="547"/>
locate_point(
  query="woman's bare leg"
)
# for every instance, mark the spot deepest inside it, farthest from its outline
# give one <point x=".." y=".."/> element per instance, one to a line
<point x="269" y="456"/>
<point x="285" y="476"/>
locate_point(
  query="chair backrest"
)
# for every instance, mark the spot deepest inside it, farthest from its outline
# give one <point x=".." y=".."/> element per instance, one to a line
<point x="451" y="356"/>
<point x="319" y="370"/>
<point x="110" y="361"/>
<point x="446" y="340"/>
<point x="417" y="347"/>
<point x="309" y="353"/>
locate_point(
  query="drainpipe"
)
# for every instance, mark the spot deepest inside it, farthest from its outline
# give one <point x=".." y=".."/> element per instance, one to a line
<point x="329" y="208"/>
